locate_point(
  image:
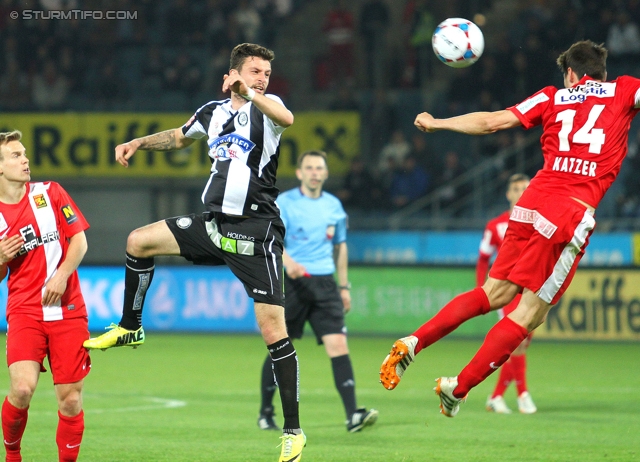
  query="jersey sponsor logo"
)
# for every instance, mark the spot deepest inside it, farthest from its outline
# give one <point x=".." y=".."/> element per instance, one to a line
<point x="240" y="236"/>
<point x="31" y="241"/>
<point x="575" y="166"/>
<point x="69" y="215"/>
<point x="243" y="119"/>
<point x="580" y="93"/>
<point x="532" y="102"/>
<point x="230" y="146"/>
<point x="40" y="201"/>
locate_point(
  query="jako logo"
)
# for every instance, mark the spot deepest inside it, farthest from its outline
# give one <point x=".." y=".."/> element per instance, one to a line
<point x="257" y="291"/>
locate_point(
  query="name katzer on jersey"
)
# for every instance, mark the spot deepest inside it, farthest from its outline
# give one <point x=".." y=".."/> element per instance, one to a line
<point x="574" y="165"/>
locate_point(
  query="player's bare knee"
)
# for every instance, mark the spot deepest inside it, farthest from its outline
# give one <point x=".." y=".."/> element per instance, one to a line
<point x="136" y="243"/>
<point x="500" y="293"/>
<point x="21" y="393"/>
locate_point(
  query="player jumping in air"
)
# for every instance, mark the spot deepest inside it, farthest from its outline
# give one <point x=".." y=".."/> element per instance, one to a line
<point x="584" y="141"/>
<point x="241" y="227"/>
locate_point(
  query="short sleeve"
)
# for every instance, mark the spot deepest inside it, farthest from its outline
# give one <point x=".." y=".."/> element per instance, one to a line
<point x="530" y="111"/>
<point x="71" y="219"/>
<point x="198" y="125"/>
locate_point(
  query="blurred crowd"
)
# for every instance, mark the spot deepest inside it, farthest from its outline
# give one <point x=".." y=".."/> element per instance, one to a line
<point x="172" y="53"/>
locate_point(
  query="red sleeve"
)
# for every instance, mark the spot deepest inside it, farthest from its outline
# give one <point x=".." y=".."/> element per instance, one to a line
<point x="71" y="219"/>
<point x="530" y="111"/>
<point x="482" y="268"/>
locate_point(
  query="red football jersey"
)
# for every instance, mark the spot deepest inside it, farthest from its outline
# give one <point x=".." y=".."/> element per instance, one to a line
<point x="491" y="242"/>
<point x="46" y="217"/>
<point x="585" y="135"/>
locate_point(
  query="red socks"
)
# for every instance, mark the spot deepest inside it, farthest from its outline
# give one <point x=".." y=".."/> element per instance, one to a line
<point x="500" y="342"/>
<point x="462" y="308"/>
<point x="505" y="378"/>
<point x="519" y="366"/>
<point x="69" y="436"/>
<point x="14" y="421"/>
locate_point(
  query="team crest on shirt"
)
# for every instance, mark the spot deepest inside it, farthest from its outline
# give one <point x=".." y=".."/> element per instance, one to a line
<point x="231" y="146"/>
<point x="69" y="215"/>
<point x="331" y="231"/>
<point x="40" y="201"/>
<point x="243" y="119"/>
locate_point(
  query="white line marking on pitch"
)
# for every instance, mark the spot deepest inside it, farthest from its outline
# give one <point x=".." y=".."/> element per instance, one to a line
<point x="160" y="403"/>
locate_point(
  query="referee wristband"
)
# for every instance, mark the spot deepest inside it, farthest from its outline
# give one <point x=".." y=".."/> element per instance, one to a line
<point x="250" y="95"/>
<point x="347" y="287"/>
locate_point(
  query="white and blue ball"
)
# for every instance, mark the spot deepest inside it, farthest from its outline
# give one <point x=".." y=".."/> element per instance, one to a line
<point x="458" y="42"/>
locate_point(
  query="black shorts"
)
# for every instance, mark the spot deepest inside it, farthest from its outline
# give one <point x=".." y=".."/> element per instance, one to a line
<point x="315" y="299"/>
<point x="250" y="247"/>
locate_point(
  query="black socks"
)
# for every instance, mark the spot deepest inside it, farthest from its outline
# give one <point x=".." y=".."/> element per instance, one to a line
<point x="137" y="278"/>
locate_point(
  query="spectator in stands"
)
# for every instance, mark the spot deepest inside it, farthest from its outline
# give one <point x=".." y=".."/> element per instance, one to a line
<point x="50" y="89"/>
<point x="374" y="24"/>
<point x="379" y="119"/>
<point x="397" y="149"/>
<point x="425" y="157"/>
<point x="410" y="183"/>
<point x="359" y="190"/>
<point x="111" y="89"/>
<point x="339" y="31"/>
<point x="248" y="20"/>
<point x="419" y="17"/>
<point x="183" y="25"/>
<point x="344" y="100"/>
<point x="451" y="170"/>
<point x="623" y="43"/>
<point x="14" y="88"/>
<point x="183" y="75"/>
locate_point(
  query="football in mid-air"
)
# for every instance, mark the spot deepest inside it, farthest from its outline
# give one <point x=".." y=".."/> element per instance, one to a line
<point x="458" y="42"/>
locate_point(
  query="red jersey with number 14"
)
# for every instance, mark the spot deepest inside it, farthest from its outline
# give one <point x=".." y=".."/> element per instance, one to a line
<point x="46" y="217"/>
<point x="585" y="133"/>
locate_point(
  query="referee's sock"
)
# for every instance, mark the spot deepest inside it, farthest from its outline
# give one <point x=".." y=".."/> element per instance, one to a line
<point x="285" y="368"/>
<point x="345" y="383"/>
<point x="137" y="278"/>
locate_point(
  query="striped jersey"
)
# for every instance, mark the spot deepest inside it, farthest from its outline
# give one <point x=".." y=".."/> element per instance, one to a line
<point x="244" y="146"/>
<point x="46" y="217"/>
<point x="585" y="135"/>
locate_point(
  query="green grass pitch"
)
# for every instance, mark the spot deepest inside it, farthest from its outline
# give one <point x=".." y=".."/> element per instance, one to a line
<point x="195" y="398"/>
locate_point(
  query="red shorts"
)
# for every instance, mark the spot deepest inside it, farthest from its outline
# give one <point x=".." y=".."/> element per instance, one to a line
<point x="30" y="339"/>
<point x="543" y="244"/>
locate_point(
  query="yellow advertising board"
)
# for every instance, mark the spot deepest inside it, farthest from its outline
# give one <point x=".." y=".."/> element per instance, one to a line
<point x="599" y="305"/>
<point x="82" y="144"/>
<point x="636" y="248"/>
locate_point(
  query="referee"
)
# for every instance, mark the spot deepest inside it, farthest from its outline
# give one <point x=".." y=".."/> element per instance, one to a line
<point x="315" y="249"/>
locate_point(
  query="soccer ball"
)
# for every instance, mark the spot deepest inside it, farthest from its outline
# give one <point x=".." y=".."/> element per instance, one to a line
<point x="458" y="42"/>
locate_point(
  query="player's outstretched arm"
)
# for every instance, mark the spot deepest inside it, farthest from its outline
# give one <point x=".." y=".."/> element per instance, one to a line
<point x="272" y="109"/>
<point x="167" y="140"/>
<point x="474" y="123"/>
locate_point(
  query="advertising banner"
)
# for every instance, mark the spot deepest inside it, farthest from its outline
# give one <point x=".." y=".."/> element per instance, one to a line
<point x="461" y="248"/>
<point x="179" y="299"/>
<point x="83" y="144"/>
<point x="599" y="305"/>
<point x="397" y="301"/>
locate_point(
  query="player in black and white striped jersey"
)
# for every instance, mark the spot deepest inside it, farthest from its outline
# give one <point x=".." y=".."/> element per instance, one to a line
<point x="241" y="227"/>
